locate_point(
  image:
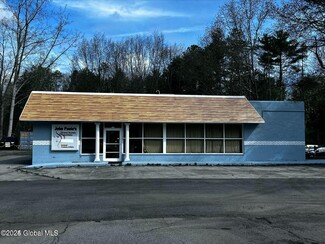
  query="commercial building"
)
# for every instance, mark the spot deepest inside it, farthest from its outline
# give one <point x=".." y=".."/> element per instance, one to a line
<point x="86" y="128"/>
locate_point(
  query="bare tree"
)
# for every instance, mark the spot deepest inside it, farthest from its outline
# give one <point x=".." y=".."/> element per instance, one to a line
<point x="4" y="69"/>
<point x="137" y="56"/>
<point x="248" y="17"/>
<point x="91" y="55"/>
<point x="35" y="36"/>
<point x="305" y="19"/>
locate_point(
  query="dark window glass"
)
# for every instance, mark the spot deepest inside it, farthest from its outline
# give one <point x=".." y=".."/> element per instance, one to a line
<point x="112" y="137"/>
<point x="194" y="146"/>
<point x="135" y="146"/>
<point x="112" y="155"/>
<point x="153" y="130"/>
<point x="194" y="130"/>
<point x="88" y="138"/>
<point x="233" y="131"/>
<point x="175" y="146"/>
<point x="112" y="148"/>
<point x="89" y="130"/>
<point x="153" y="146"/>
<point x="233" y="146"/>
<point x="135" y="130"/>
<point x="214" y="131"/>
<point x="214" y="146"/>
<point x="89" y="145"/>
<point x="175" y="130"/>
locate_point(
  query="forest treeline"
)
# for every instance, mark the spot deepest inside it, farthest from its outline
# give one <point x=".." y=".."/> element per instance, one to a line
<point x="254" y="48"/>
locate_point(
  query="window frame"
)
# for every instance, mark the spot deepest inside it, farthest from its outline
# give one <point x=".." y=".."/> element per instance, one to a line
<point x="87" y="137"/>
<point x="133" y="138"/>
<point x="165" y="139"/>
<point x="223" y="139"/>
<point x="176" y="138"/>
<point x="152" y="138"/>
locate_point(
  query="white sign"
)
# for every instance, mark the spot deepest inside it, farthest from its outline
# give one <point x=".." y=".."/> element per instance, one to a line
<point x="65" y="137"/>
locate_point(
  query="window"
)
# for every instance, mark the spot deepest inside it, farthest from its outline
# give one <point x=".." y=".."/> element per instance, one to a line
<point x="194" y="138"/>
<point x="214" y="138"/>
<point x="233" y="138"/>
<point x="175" y="138"/>
<point x="185" y="138"/>
<point x="223" y="138"/>
<point x="135" y="138"/>
<point x="88" y="138"/>
<point x="153" y="138"/>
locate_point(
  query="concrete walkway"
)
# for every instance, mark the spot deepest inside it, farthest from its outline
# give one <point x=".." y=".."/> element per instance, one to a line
<point x="13" y="168"/>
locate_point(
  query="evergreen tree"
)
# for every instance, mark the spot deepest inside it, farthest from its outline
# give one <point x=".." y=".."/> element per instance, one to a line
<point x="214" y="56"/>
<point x="187" y="72"/>
<point x="119" y="82"/>
<point x="85" y="81"/>
<point x="238" y="66"/>
<point x="280" y="51"/>
<point x="311" y="90"/>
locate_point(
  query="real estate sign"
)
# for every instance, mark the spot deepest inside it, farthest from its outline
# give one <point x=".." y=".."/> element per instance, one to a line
<point x="65" y="137"/>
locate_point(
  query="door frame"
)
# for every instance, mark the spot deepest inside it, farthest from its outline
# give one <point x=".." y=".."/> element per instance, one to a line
<point x="119" y="159"/>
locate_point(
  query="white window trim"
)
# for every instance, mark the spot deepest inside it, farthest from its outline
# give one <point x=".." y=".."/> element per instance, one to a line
<point x="165" y="139"/>
<point x="80" y="136"/>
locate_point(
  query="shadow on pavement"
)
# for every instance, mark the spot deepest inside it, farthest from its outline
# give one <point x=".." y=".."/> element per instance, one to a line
<point x="15" y="157"/>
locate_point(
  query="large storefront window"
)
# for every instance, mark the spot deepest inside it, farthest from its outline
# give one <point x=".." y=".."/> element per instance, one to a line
<point x="88" y="138"/>
<point x="153" y="138"/>
<point x="180" y="138"/>
<point x="135" y="138"/>
<point x="195" y="138"/>
<point x="175" y="138"/>
<point x="186" y="138"/>
<point x="214" y="138"/>
<point x="233" y="138"/>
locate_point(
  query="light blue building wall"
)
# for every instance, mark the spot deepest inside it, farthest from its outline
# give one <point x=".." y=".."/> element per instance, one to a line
<point x="42" y="153"/>
<point x="281" y="139"/>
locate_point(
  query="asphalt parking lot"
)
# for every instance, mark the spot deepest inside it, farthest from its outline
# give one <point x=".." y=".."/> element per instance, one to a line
<point x="15" y="157"/>
<point x="161" y="204"/>
<point x="13" y="168"/>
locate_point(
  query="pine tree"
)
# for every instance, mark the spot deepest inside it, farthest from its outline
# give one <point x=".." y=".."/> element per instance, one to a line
<point x="279" y="51"/>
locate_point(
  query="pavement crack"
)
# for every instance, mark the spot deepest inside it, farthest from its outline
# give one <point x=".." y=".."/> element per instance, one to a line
<point x="57" y="238"/>
<point x="36" y="174"/>
<point x="265" y="219"/>
<point x="303" y="239"/>
<point x="157" y="228"/>
<point x="153" y="229"/>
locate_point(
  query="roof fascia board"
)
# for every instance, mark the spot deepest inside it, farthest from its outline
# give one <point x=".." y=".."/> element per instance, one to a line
<point x="134" y="94"/>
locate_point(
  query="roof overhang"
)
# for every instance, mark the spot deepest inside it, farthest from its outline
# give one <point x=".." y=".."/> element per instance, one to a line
<point x="118" y="107"/>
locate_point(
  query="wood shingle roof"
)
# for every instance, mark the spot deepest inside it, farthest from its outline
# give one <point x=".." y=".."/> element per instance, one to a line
<point x="115" y="107"/>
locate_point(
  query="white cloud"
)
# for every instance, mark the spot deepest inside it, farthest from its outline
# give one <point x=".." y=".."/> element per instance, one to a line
<point x="184" y="29"/>
<point x="4" y="12"/>
<point x="168" y="31"/>
<point x="121" y="9"/>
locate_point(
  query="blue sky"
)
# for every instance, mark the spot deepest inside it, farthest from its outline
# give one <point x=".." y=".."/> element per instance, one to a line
<point x="181" y="21"/>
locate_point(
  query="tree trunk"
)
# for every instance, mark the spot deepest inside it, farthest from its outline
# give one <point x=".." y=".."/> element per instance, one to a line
<point x="12" y="109"/>
<point x="2" y="107"/>
<point x="281" y="85"/>
<point x="256" y="95"/>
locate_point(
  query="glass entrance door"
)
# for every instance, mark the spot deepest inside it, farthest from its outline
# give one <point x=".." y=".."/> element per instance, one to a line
<point x="112" y="145"/>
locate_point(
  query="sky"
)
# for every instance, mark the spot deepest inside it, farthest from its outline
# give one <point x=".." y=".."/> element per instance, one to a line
<point x="181" y="21"/>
